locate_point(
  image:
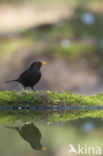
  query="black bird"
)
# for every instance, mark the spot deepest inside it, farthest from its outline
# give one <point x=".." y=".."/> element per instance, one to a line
<point x="31" y="76"/>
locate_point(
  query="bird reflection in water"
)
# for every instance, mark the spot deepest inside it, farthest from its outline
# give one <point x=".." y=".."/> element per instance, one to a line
<point x="31" y="134"/>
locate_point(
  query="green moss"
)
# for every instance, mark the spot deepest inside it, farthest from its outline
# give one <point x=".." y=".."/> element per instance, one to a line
<point x="48" y="98"/>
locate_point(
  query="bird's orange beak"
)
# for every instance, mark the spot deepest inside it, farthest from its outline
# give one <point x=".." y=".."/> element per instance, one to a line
<point x="43" y="63"/>
<point x="44" y="148"/>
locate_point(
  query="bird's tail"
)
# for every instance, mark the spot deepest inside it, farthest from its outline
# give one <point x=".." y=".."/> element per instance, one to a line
<point x="11" y="81"/>
<point x="14" y="128"/>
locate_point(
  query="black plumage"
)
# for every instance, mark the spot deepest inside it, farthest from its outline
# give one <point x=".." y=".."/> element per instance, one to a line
<point x="31" y="76"/>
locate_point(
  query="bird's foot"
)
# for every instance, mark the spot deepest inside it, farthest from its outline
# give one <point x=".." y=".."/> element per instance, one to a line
<point x="33" y="89"/>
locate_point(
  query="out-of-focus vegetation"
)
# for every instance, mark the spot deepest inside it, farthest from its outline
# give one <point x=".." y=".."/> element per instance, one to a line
<point x="45" y="2"/>
<point x="78" y="36"/>
<point x="75" y="37"/>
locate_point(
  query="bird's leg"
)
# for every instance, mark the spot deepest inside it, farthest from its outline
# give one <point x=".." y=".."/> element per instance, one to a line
<point x="32" y="87"/>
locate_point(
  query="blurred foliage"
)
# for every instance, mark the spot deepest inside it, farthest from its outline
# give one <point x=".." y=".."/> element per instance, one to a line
<point x="78" y="36"/>
<point x="40" y="2"/>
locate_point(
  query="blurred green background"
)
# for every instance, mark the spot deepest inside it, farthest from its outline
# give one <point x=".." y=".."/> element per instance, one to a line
<point x="68" y="34"/>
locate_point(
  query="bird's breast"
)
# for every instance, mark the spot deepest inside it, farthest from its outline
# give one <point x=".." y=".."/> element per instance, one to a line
<point x="35" y="76"/>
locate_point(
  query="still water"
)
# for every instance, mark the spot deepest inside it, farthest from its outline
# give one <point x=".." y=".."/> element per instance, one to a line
<point x="40" y="139"/>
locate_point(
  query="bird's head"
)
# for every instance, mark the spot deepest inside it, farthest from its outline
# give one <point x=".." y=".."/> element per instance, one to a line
<point x="37" y="64"/>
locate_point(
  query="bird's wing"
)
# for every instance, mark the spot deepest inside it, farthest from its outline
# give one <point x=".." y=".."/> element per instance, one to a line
<point x="25" y="75"/>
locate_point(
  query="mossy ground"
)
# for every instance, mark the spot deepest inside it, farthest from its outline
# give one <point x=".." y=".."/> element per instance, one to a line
<point x="47" y="98"/>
